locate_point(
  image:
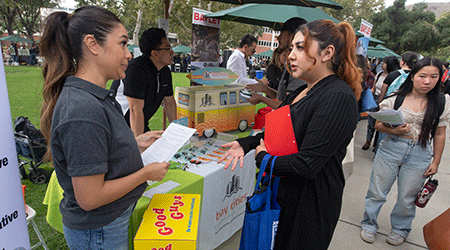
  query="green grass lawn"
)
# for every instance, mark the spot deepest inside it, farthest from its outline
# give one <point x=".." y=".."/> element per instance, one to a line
<point x="25" y="96"/>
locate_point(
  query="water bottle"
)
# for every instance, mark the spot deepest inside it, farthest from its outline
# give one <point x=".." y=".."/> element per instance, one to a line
<point x="427" y="191"/>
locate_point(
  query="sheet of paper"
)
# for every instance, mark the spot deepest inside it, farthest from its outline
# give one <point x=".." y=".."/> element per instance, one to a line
<point x="392" y="117"/>
<point x="170" y="142"/>
<point x="161" y="189"/>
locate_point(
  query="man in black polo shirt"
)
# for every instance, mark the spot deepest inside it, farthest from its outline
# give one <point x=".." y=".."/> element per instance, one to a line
<point x="148" y="81"/>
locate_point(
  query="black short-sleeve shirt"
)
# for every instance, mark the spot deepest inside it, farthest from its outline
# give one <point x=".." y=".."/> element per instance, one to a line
<point x="90" y="137"/>
<point x="144" y="81"/>
<point x="391" y="76"/>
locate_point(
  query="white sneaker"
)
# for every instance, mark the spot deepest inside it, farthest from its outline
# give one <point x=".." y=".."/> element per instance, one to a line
<point x="367" y="236"/>
<point x="395" y="239"/>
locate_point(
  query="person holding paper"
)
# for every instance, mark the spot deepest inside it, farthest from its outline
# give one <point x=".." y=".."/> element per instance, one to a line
<point x="95" y="155"/>
<point x="324" y="114"/>
<point x="411" y="152"/>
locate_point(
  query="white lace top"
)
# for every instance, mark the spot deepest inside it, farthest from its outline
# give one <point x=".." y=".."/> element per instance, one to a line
<point x="415" y="119"/>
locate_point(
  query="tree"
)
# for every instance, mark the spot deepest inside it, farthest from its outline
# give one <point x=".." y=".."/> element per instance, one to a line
<point x="136" y="16"/>
<point x="443" y="26"/>
<point x="354" y="10"/>
<point x="420" y="37"/>
<point x="180" y="18"/>
<point x="23" y="15"/>
<point x="230" y="32"/>
<point x="8" y="14"/>
<point x="404" y="30"/>
<point x="146" y="16"/>
<point x="29" y="13"/>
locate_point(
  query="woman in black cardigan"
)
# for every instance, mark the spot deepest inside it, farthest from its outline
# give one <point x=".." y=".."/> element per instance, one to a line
<point x="324" y="115"/>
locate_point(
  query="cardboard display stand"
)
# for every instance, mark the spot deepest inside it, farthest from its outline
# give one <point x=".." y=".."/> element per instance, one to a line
<point x="13" y="222"/>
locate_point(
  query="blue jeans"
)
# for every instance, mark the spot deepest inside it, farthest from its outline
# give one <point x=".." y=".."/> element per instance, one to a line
<point x="112" y="236"/>
<point x="380" y="138"/>
<point x="407" y="160"/>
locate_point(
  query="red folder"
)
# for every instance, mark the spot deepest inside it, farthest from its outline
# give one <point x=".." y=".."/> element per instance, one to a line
<point x="279" y="133"/>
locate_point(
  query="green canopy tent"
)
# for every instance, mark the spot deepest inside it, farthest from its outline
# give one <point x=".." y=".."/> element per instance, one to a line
<point x="304" y="3"/>
<point x="267" y="53"/>
<point x="388" y="51"/>
<point x="374" y="52"/>
<point x="380" y="51"/>
<point x="182" y="49"/>
<point x="273" y="16"/>
<point x="270" y="15"/>
<point x="16" y="39"/>
<point x="372" y="40"/>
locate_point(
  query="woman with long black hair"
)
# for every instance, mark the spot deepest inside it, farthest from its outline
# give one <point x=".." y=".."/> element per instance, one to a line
<point x="406" y="154"/>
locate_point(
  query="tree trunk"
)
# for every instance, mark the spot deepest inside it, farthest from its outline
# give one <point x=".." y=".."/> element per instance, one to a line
<point x="8" y="16"/>
<point x="137" y="27"/>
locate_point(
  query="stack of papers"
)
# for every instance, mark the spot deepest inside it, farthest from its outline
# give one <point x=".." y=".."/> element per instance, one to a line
<point x="170" y="142"/>
<point x="391" y="117"/>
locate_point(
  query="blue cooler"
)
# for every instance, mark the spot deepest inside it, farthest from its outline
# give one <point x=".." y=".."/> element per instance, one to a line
<point x="259" y="74"/>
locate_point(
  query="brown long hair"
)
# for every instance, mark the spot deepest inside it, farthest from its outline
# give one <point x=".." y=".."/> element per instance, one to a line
<point x="61" y="47"/>
<point x="342" y="37"/>
<point x="275" y="60"/>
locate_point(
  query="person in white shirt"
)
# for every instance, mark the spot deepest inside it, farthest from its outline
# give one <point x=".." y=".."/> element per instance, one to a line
<point x="236" y="62"/>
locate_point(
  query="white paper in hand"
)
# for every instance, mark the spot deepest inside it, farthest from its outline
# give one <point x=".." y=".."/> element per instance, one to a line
<point x="391" y="117"/>
<point x="170" y="142"/>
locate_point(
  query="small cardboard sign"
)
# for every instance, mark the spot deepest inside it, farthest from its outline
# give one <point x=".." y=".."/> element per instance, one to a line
<point x="366" y="28"/>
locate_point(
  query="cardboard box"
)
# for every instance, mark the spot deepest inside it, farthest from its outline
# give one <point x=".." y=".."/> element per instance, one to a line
<point x="169" y="223"/>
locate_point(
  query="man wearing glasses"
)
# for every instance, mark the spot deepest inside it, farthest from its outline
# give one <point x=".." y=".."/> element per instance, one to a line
<point x="148" y="81"/>
<point x="236" y="62"/>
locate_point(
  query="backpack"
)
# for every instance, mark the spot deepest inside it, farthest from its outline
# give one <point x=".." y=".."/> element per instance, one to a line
<point x="399" y="101"/>
<point x="395" y="85"/>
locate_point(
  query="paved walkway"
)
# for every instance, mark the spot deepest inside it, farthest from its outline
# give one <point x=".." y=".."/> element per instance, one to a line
<point x="346" y="235"/>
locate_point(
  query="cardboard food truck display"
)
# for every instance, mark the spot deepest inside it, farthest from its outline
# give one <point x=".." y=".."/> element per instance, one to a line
<point x="213" y="109"/>
<point x="169" y="223"/>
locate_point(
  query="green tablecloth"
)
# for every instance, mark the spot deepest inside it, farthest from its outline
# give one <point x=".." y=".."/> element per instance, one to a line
<point x="190" y="184"/>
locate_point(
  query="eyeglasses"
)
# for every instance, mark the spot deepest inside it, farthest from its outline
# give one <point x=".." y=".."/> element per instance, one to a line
<point x="168" y="48"/>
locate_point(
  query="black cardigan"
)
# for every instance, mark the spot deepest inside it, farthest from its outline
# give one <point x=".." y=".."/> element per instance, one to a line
<point x="310" y="191"/>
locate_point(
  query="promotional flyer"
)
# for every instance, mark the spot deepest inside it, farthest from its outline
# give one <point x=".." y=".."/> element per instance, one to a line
<point x="205" y="40"/>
